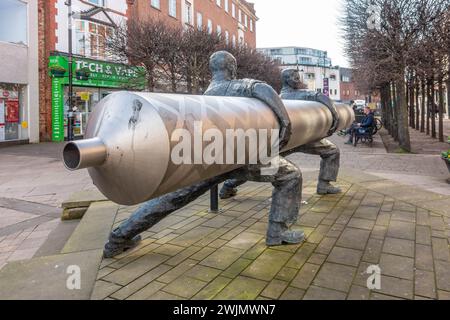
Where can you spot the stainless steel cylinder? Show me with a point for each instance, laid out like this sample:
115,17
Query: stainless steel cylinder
84,154
130,138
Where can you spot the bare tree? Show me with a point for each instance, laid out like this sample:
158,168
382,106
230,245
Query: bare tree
393,50
139,43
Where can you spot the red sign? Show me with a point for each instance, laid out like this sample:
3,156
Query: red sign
5,94
12,111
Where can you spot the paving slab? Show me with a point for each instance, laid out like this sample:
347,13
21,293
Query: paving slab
94,229
46,278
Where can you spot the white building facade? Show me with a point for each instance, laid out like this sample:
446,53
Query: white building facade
19,80
316,68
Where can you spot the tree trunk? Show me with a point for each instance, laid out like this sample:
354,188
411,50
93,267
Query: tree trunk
417,87
423,106
433,110
441,109
429,99
394,121
402,120
448,96
411,103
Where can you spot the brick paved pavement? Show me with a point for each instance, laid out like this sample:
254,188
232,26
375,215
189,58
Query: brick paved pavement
33,183
197,255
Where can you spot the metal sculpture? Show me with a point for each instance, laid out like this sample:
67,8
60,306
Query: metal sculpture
129,146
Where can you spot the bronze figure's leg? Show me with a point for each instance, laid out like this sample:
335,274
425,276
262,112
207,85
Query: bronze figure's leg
329,166
229,189
286,198
284,211
127,235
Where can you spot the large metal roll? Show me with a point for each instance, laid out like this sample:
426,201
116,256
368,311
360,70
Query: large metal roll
128,143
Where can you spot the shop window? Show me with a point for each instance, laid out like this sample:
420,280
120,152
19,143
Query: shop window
11,121
13,21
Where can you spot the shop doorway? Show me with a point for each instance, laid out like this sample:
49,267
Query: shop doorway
85,100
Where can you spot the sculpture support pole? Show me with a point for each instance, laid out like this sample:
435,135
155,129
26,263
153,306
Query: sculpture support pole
214,199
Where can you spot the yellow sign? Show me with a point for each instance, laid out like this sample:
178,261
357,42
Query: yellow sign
85,96
24,124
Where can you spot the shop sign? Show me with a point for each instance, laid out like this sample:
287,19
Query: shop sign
57,110
84,96
6,94
326,87
101,70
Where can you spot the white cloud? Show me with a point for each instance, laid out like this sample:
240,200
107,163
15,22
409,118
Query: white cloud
303,23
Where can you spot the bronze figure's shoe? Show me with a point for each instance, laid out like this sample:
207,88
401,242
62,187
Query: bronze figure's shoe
116,246
226,193
287,237
280,234
325,188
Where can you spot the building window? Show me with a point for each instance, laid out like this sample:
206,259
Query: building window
199,20
156,4
240,16
210,26
245,20
234,40
13,21
219,30
91,38
227,37
251,25
188,12
173,8
218,2
233,10
226,5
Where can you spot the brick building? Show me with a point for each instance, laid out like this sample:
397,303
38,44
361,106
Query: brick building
94,19
350,91
235,19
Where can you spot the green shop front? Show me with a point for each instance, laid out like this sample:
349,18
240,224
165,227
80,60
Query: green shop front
92,81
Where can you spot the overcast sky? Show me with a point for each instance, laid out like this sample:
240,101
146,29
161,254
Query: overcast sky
302,23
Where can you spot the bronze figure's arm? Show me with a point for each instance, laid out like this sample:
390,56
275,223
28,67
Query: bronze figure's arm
267,94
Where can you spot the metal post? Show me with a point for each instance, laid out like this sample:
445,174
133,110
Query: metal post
214,200
70,115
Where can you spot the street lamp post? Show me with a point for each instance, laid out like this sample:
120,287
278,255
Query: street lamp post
70,115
